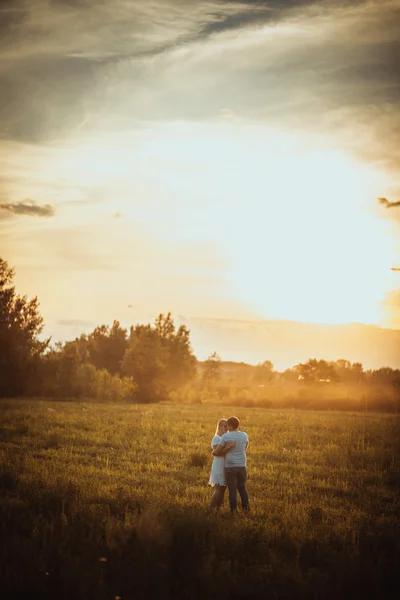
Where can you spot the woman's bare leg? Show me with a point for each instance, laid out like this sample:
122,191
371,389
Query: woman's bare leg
221,497
217,498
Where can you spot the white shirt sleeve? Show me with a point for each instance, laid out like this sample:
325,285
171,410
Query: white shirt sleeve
222,440
215,441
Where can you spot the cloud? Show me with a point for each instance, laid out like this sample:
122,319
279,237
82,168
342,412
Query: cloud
29,207
287,343
329,67
392,304
387,204
395,269
79,74
76,323
315,66
38,104
253,14
227,113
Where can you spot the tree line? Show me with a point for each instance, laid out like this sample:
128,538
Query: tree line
145,363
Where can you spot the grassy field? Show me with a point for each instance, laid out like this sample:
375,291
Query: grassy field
111,501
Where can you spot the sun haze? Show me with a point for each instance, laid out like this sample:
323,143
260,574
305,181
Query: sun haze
235,161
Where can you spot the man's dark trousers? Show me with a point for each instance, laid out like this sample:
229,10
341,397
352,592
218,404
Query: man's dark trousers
236,480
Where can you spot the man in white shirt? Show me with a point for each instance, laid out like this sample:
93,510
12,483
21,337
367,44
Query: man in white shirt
235,463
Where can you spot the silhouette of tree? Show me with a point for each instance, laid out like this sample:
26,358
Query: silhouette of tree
146,361
211,371
349,372
20,326
159,358
290,375
384,376
316,370
181,362
106,347
264,373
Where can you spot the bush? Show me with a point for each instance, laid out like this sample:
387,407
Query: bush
88,382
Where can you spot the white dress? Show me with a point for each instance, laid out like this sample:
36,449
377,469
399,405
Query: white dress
217,476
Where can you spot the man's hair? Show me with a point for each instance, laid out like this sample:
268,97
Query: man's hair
233,422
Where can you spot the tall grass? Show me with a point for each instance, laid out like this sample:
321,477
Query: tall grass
105,501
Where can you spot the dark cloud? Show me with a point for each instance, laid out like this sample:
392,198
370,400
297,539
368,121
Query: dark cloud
71,3
317,82
260,12
12,14
257,16
29,207
387,204
282,6
52,81
45,97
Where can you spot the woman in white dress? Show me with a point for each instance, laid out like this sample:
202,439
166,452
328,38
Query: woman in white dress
217,476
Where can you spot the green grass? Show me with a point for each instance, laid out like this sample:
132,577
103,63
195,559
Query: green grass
99,501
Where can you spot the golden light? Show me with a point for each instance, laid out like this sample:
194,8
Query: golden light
291,218
294,219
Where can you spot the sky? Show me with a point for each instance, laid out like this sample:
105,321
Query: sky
233,162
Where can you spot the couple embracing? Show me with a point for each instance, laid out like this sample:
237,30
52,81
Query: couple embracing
229,446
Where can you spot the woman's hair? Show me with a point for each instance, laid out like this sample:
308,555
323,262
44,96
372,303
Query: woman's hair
220,422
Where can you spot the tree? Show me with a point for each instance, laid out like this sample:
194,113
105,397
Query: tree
70,360
348,372
290,375
66,372
211,371
264,373
316,370
382,376
164,326
106,347
20,326
181,362
146,361
159,358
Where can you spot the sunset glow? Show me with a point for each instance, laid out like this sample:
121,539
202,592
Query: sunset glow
213,165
